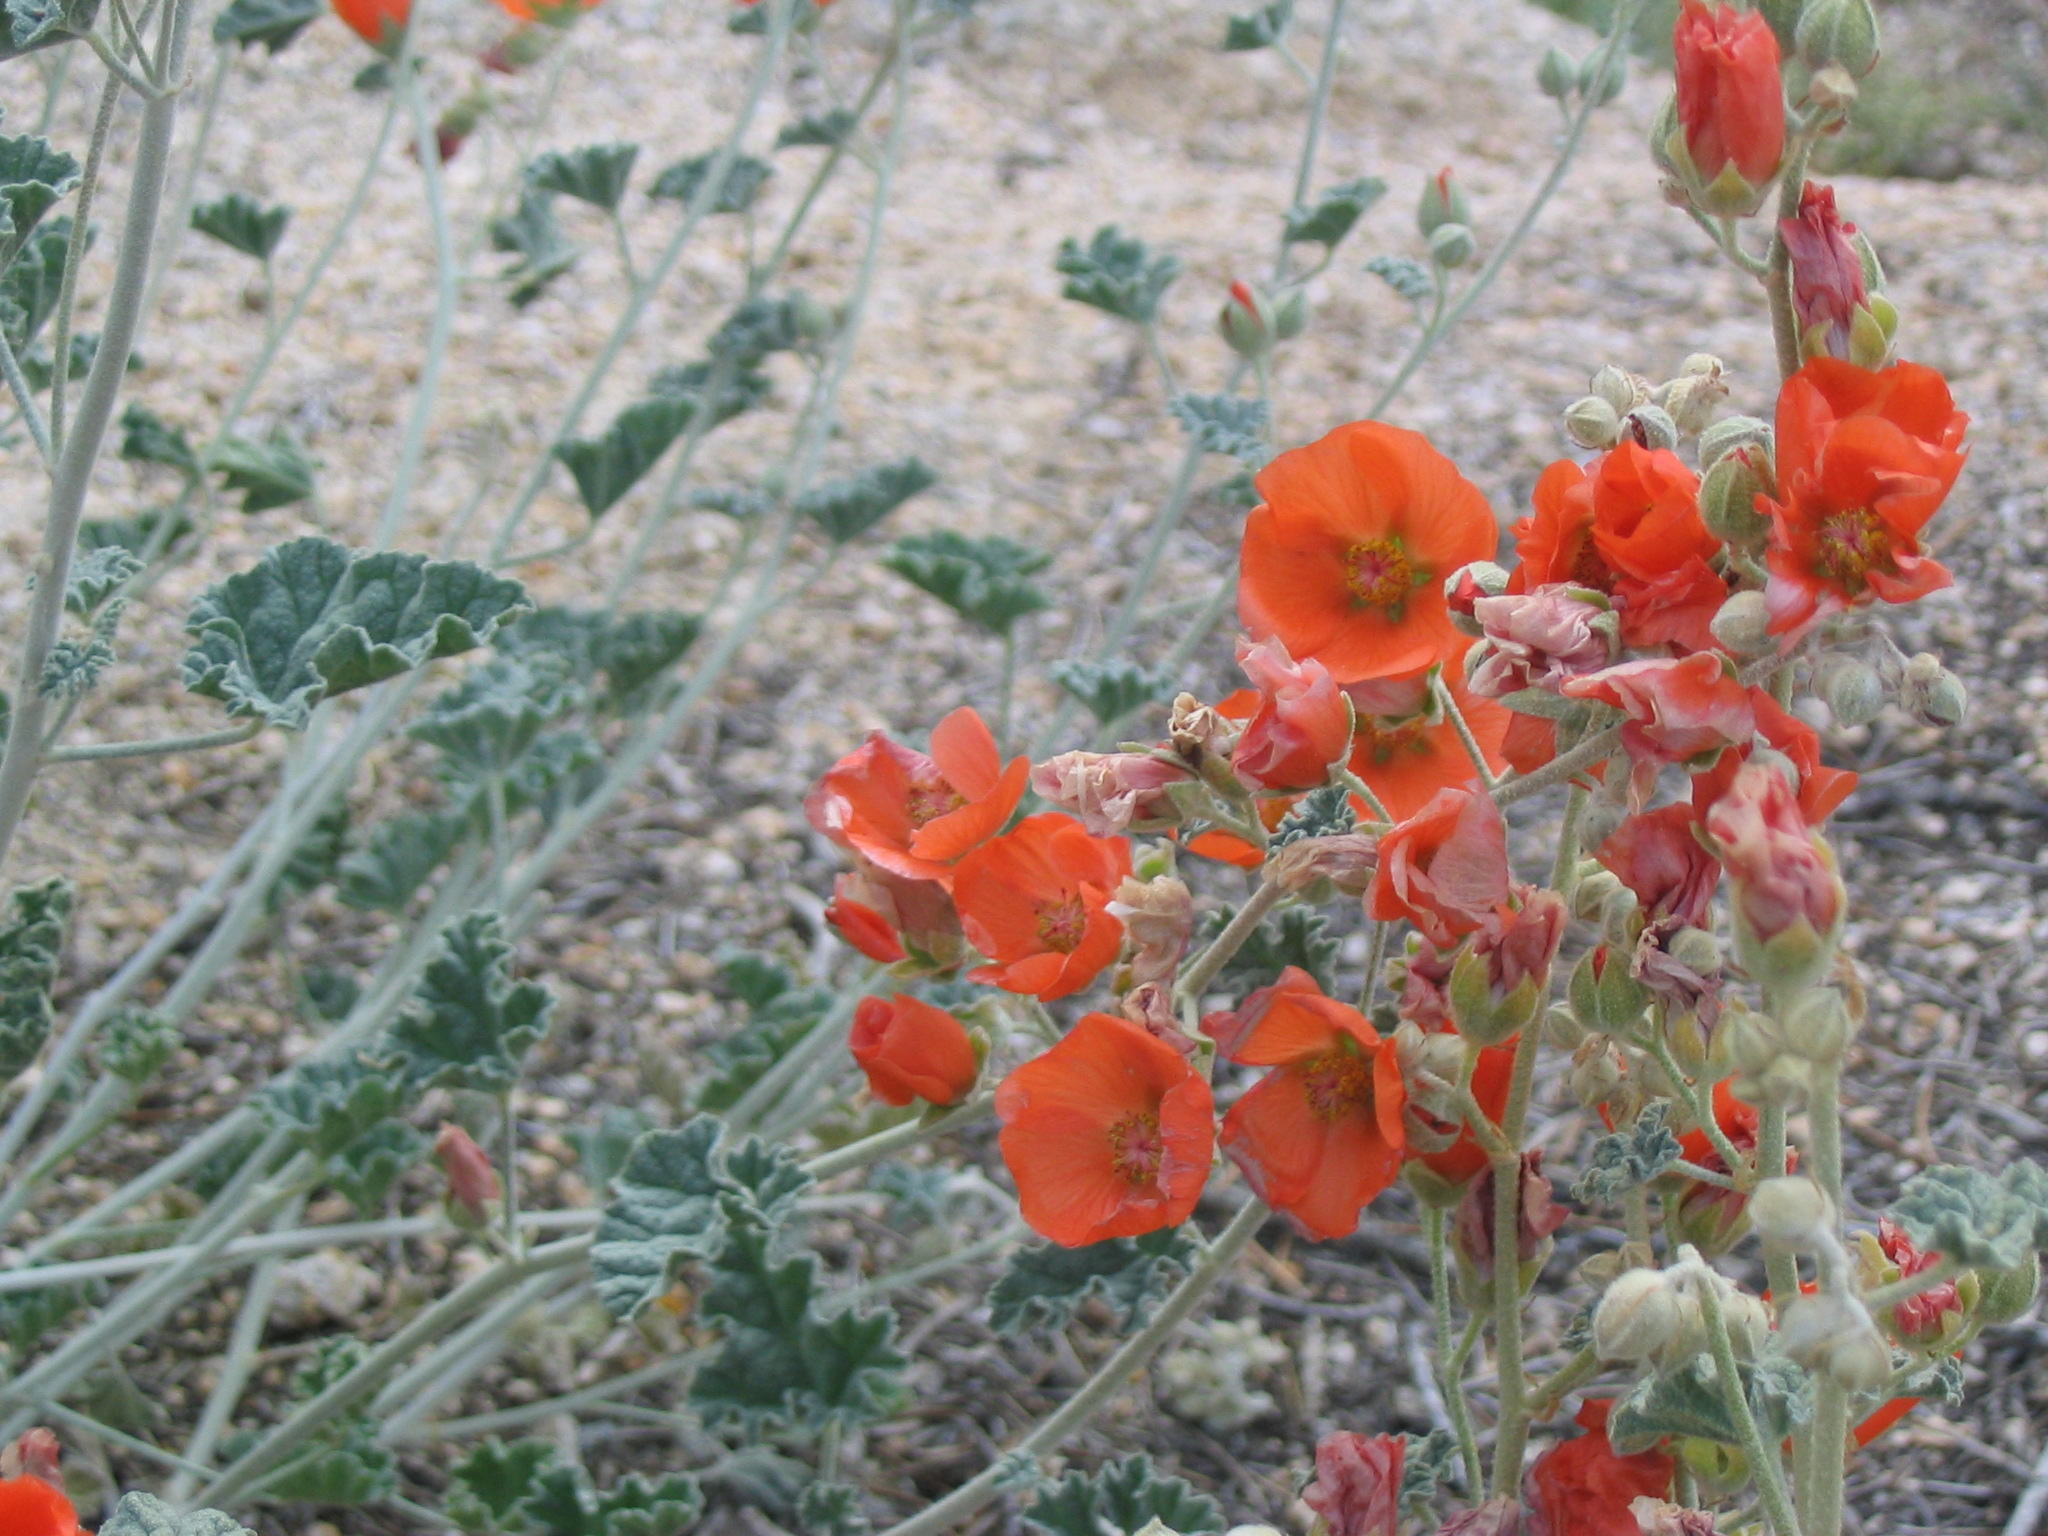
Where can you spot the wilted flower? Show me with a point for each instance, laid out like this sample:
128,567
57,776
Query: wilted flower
1357,1487
1788,899
1534,638
1582,1488
1159,918
1112,792
1445,869
1830,294
472,1181
1303,723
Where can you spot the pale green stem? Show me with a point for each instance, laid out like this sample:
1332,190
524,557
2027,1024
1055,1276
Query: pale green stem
1699,1097
1564,869
1451,1386
1464,730
38,429
910,1133
1511,1434
1765,1463
441,1372
1196,975
1110,1379
188,184
74,254
103,751
1777,278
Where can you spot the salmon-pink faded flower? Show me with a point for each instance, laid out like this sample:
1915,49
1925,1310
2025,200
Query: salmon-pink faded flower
917,815
1159,919
1534,639
1659,856
1537,1216
1821,788
1781,874
36,1452
1444,869
1405,746
890,919
1112,792
1677,710
1731,105
1357,1486
1583,1488
911,1049
1865,459
1321,1135
1496,1517
472,1181
1345,561
1503,979
559,14
1108,1134
1303,723
1036,902
1628,525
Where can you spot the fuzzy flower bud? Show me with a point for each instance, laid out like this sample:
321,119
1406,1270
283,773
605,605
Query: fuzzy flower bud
1728,496
1789,901
1843,33
1731,433
1602,75
1596,1071
1790,1212
1851,689
1452,246
1831,1332
1932,694
1247,321
1558,74
1465,586
1836,312
1498,985
1651,426
1619,388
1592,423
1696,393
1637,1317
1443,202
472,1181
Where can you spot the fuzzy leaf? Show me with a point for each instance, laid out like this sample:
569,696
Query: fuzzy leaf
740,388
75,663
1408,278
777,1024
562,1503
1690,1402
492,718
39,369
1324,812
242,224
331,995
1941,1380
1232,424
26,1316
1043,1286
365,1169
1981,1220
638,648
982,580
756,330
1299,936
383,873
1426,1461
328,1105
272,23
596,174
665,1210
607,467
531,234
832,1509
273,473
34,173
33,282
1111,689
1330,218
1117,274
96,575
470,1025
848,508
743,181
342,1469
1261,29
822,130
31,937
139,1514
1124,1496
1629,1158
134,534
735,502
136,1043
313,619
488,1484
148,439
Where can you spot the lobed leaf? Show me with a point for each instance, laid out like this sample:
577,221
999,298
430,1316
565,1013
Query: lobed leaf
982,580
742,183
606,467
1329,219
31,937
1043,1286
34,173
313,619
33,282
1261,29
1116,273
1299,936
1123,1496
382,874
1426,1461
665,1210
243,224
136,1043
1981,1220
1628,1158
327,1105
491,719
1690,1402
543,252
1232,424
140,1514
470,1025
135,534
96,575
1408,278
148,439
276,472
75,663
272,23
846,509
487,1486
364,1170
1324,812
1111,689
824,130
596,174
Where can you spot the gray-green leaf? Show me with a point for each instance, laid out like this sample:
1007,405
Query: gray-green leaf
743,181
273,473
1261,29
140,1514
531,234
607,467
1410,279
31,937
822,130
148,439
1116,273
985,581
34,173
1978,1219
470,1025
596,174
1124,1496
1329,219
273,23
243,224
1232,424
1629,1158
1111,689
846,509
1043,1286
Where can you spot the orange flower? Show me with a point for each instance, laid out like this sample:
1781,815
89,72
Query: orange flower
558,15
1864,460
1108,1134
911,1050
890,919
1302,724
1036,902
1658,855
31,1507
380,23
1405,747
1731,104
1345,561
1444,869
1628,524
1709,1215
1322,1135
1821,788
1582,1488
915,815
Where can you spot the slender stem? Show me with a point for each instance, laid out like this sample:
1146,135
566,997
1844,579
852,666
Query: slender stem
1511,1435
80,450
1006,683
1109,1380
1464,730
74,253
1318,113
32,418
173,236
1595,749
1199,972
1824,1120
1451,1385
1777,278
1765,1462
1699,1098
826,1038
163,746
882,1144
1582,1367
1564,869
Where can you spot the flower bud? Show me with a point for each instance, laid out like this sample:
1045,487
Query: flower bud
1749,1321
1742,625
1605,997
1601,79
1782,16
1452,246
1464,588
1839,32
1651,426
1592,423
1728,496
1595,888
1812,1325
1790,1213
1730,433
1861,1363
1817,1025
1788,899
2004,1295
1558,75
1693,396
1443,202
1561,1030
1290,314
1932,694
1730,115
1637,1317
472,1181
1619,388
1596,1071
1247,321
1850,688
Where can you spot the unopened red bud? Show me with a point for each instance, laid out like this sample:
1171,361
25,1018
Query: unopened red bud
1443,202
1651,426
472,1181
1246,321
